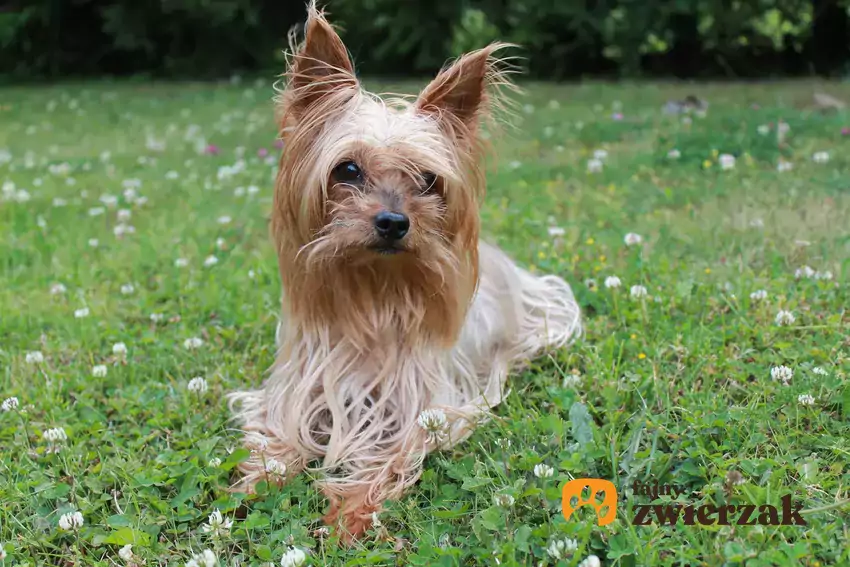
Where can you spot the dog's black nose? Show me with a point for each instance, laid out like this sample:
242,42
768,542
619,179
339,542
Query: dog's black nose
391,226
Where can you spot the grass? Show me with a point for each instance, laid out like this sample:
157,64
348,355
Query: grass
674,387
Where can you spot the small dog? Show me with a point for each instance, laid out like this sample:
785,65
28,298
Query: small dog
399,326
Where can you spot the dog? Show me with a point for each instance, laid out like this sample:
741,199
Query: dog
399,326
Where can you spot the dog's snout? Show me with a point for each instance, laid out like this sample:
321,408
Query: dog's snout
391,226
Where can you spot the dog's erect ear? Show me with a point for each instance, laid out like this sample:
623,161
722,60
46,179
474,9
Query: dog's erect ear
321,65
466,89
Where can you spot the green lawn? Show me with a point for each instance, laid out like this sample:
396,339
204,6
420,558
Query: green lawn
673,387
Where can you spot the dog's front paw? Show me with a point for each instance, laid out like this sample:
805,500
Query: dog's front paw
350,518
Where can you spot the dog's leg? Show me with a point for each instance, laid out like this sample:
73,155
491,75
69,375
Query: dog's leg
356,497
272,458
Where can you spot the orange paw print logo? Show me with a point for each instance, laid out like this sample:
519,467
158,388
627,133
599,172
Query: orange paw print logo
602,495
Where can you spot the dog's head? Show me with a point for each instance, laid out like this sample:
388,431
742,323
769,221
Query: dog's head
381,191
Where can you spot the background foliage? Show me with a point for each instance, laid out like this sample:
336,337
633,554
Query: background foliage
560,39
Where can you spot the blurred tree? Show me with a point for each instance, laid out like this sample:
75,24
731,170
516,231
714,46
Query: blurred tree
829,39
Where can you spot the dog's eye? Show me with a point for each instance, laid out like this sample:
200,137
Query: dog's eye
428,181
348,172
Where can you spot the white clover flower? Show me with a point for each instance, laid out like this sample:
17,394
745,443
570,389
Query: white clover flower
590,561
157,317
727,161
515,164
198,385
806,400
562,548
637,291
126,553
275,467
71,521
57,289
820,157
127,289
294,557
181,263
59,202
122,229
94,242
109,200
819,371
612,282
99,371
119,349
210,261
10,404
823,276
632,238
435,424
757,223
204,559
253,189
594,165
81,313
193,343
154,145
172,175
784,166
571,381
600,154
217,525
785,318
124,215
34,357
22,196
555,231
252,275
782,374
215,462
543,471
55,435
674,154
804,272
764,129
224,220
219,243
758,295
504,500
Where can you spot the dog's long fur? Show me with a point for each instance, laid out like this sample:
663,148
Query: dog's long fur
369,341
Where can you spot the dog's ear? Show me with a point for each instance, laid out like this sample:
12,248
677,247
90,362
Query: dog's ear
467,89
320,66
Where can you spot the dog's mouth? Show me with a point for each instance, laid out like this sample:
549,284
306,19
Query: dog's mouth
386,249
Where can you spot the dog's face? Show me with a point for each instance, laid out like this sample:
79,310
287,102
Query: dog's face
379,195
383,186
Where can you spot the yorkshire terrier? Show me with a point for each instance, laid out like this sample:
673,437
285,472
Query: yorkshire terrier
399,326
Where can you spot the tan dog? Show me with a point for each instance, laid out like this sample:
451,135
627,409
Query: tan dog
399,326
